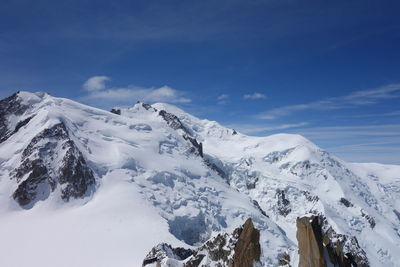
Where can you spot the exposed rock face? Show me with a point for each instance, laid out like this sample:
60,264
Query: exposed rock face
255,202
11,106
346,202
218,249
175,123
165,251
148,106
309,237
216,168
284,260
197,147
51,159
310,197
314,234
247,249
369,218
283,204
343,250
240,249
116,111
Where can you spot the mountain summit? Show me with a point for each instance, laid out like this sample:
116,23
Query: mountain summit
80,186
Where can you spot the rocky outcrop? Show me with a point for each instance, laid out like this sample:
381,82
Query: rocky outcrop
368,218
50,160
284,260
247,249
11,106
283,204
148,106
318,242
218,249
345,202
163,252
309,238
116,111
239,249
257,205
173,121
196,147
212,165
342,250
310,197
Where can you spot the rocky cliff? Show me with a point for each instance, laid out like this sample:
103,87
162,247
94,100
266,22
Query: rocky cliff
50,161
320,246
309,236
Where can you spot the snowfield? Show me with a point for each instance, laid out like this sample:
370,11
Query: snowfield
154,182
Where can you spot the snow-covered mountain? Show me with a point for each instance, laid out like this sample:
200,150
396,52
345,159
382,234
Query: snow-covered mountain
80,186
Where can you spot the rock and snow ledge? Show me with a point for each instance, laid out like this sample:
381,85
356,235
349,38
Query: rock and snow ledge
239,249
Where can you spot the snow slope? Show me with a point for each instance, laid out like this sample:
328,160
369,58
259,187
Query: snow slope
313,182
152,185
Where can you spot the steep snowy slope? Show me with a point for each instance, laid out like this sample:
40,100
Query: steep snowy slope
81,186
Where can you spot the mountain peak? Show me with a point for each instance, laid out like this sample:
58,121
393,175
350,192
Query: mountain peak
155,174
29,97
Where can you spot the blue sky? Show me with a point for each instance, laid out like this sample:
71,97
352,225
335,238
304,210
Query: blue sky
329,70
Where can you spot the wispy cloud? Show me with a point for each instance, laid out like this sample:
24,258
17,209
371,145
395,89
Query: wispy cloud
363,143
366,97
223,99
386,114
96,83
352,131
393,113
254,96
99,94
257,128
371,96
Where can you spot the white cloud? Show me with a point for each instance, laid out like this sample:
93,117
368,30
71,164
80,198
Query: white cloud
99,95
132,94
164,93
358,98
96,83
223,99
254,96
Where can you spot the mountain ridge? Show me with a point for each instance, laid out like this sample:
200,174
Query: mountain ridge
194,193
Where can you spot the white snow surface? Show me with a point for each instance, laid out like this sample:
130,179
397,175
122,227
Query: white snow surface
152,189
